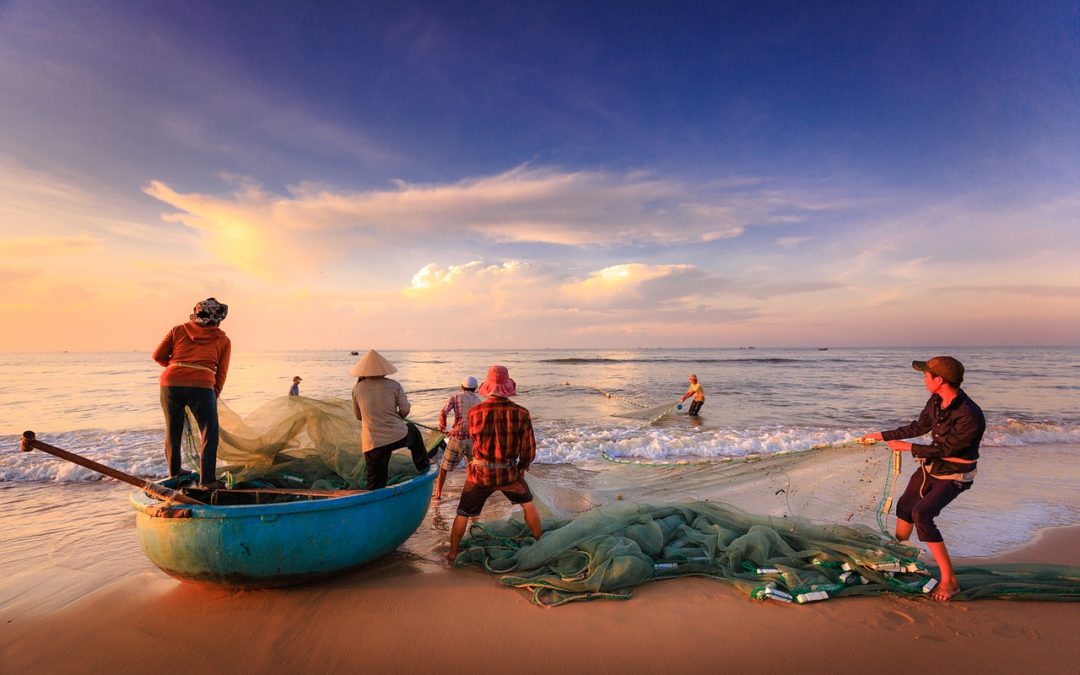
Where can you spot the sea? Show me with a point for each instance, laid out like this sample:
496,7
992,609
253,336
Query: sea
759,401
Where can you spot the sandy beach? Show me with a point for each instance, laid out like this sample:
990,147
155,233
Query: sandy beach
111,611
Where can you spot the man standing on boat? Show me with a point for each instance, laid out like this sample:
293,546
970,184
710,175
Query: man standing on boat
698,393
458,442
196,359
503,448
381,406
946,466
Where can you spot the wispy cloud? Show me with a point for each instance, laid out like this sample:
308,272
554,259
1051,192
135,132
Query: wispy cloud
40,247
252,228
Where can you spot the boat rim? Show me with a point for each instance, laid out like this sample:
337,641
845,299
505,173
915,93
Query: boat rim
141,501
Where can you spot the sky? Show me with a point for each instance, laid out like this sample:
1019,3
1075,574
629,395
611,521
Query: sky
415,175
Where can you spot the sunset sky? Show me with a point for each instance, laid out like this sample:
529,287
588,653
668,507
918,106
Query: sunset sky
456,175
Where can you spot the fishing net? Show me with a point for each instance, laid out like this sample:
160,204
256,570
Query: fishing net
605,552
300,442
812,525
649,415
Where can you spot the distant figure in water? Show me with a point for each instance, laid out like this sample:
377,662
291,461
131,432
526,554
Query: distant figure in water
294,390
458,442
698,393
503,449
196,359
381,406
946,466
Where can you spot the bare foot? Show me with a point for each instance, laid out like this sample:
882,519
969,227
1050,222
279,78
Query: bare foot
450,558
943,592
437,496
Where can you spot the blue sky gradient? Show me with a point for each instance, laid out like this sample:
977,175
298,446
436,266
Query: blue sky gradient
786,173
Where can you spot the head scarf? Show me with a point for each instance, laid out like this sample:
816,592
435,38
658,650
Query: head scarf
209,311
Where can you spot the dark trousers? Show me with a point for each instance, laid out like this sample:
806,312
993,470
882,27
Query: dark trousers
378,459
923,501
203,405
695,408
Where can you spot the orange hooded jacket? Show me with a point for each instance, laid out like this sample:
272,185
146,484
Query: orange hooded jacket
194,356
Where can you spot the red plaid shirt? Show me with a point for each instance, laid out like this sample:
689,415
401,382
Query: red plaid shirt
503,441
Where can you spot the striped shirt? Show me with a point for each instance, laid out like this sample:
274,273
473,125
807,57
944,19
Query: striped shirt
460,404
503,441
380,404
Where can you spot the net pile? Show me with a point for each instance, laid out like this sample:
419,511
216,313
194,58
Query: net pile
295,441
605,552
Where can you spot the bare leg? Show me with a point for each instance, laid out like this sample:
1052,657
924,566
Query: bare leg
457,531
948,586
439,484
903,530
532,519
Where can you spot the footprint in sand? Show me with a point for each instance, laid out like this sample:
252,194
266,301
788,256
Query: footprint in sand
894,619
1009,630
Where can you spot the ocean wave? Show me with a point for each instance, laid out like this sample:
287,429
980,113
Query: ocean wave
1013,433
140,452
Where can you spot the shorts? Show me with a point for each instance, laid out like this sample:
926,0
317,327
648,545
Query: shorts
474,495
456,448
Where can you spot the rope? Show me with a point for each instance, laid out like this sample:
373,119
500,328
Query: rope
886,495
608,394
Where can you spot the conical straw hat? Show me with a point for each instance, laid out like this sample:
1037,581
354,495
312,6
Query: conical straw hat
372,364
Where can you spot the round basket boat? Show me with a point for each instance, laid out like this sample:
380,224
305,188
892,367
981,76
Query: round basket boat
279,544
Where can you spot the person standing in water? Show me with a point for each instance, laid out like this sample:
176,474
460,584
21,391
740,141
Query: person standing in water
458,442
698,393
196,359
294,390
946,466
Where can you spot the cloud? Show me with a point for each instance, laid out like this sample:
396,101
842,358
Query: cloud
252,228
1042,292
40,247
631,285
791,242
772,290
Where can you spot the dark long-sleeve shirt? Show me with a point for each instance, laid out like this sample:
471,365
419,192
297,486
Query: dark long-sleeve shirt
955,432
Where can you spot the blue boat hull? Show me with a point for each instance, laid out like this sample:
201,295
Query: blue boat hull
281,544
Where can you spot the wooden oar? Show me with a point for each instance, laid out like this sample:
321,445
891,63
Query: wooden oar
29,442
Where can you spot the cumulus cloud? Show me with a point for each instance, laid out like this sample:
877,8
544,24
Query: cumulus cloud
624,294
637,285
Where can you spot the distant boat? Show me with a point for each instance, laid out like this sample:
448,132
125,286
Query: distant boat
823,349
355,353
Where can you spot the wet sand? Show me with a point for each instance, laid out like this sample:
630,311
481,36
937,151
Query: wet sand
90,602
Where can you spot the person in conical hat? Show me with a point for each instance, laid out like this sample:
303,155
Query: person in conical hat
503,449
372,364
381,406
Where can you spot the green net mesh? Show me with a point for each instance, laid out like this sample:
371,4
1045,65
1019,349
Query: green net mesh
605,552
299,442
811,525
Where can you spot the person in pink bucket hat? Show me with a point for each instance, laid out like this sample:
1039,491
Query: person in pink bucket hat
503,448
